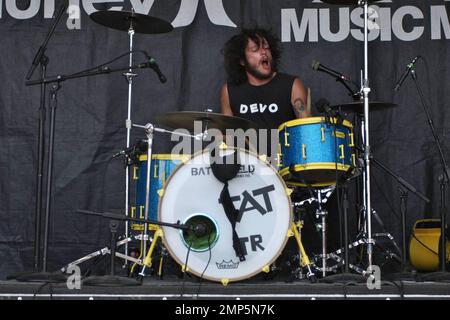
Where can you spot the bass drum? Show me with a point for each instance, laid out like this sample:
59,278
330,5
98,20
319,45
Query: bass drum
264,217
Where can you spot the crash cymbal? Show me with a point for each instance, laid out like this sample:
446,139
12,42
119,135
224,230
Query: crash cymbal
185,120
348,2
359,106
121,20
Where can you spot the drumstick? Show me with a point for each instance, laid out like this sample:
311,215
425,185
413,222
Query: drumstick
308,102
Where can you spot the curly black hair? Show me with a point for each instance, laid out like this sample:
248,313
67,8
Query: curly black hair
234,52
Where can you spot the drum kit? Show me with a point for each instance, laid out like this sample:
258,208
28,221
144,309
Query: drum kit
229,222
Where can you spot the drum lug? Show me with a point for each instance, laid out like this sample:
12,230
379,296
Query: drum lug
286,137
289,191
135,173
352,140
266,269
184,268
262,157
225,282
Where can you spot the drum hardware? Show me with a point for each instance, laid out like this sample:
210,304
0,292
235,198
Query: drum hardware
56,82
405,187
132,23
112,279
320,196
365,90
105,251
56,86
150,129
304,261
326,194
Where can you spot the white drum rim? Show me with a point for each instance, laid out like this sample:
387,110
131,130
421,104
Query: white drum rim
275,255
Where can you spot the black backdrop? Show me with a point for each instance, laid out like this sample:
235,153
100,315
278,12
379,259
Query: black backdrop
90,123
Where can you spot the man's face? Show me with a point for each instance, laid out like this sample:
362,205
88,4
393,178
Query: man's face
258,59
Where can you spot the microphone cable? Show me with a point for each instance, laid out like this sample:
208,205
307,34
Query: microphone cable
207,265
185,270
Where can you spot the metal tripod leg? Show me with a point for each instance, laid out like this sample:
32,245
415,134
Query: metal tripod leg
104,251
304,259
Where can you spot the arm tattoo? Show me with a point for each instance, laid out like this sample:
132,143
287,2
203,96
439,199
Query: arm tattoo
299,108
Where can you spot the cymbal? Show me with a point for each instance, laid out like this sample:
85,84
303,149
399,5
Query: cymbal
358,106
185,120
122,20
347,2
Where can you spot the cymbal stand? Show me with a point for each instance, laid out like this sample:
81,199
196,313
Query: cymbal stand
322,214
150,129
366,176
129,76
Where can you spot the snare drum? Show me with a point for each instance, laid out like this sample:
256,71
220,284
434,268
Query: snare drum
191,196
161,168
314,151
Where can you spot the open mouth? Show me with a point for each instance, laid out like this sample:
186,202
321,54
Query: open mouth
265,62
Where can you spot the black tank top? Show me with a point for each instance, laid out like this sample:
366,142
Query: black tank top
268,105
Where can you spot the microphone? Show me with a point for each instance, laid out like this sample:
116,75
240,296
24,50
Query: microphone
152,64
323,106
41,52
317,66
123,152
406,73
140,147
200,230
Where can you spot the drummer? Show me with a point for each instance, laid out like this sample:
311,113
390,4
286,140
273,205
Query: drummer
255,89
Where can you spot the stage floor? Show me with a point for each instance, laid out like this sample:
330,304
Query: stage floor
173,288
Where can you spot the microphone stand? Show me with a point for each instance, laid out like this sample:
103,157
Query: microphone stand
444,178
56,85
406,270
42,60
112,279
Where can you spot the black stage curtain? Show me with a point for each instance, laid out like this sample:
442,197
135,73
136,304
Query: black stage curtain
91,113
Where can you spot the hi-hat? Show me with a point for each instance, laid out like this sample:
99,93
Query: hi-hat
123,20
186,119
359,106
349,2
